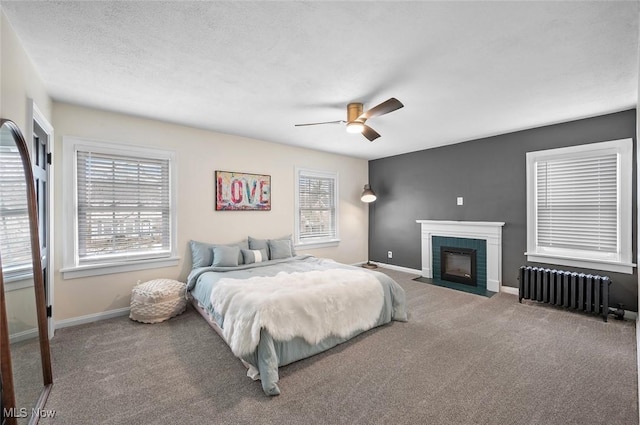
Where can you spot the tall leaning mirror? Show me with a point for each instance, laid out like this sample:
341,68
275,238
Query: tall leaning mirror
26,376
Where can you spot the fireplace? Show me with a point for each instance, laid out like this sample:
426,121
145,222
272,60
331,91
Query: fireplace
489,256
458,265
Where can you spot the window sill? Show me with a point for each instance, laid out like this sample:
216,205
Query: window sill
317,244
75,272
20,282
610,266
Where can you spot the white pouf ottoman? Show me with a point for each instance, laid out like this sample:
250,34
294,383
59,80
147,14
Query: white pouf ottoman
157,300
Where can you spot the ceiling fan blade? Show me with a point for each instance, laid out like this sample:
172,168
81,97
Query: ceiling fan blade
370,133
320,123
381,109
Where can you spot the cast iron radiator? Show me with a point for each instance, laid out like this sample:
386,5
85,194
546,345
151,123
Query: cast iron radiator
573,290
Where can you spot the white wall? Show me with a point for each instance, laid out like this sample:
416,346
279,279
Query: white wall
20,84
199,154
19,80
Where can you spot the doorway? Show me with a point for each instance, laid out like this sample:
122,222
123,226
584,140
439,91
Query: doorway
41,158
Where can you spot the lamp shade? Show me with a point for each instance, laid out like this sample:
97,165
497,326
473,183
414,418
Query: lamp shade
368,195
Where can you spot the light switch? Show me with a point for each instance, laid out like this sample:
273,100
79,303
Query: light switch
460,200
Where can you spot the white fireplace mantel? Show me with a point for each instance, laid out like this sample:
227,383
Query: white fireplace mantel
490,231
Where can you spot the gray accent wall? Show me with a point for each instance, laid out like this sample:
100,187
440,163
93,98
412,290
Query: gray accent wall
490,175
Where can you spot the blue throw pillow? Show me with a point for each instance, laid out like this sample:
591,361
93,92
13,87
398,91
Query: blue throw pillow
201,254
258,243
264,244
225,256
279,248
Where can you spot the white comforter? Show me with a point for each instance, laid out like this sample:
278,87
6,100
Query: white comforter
312,305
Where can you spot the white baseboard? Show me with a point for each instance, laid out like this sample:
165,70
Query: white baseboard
23,336
90,318
506,289
399,268
510,290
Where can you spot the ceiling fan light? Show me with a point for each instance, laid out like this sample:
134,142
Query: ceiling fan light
355,127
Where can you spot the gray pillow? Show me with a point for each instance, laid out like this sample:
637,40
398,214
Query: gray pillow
225,256
290,239
241,245
258,243
279,248
263,244
251,256
201,254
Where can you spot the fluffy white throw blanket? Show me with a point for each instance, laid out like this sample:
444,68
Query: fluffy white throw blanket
312,305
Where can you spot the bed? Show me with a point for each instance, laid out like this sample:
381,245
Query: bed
275,312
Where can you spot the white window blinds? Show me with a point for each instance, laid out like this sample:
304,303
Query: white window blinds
577,203
124,207
579,206
15,238
316,207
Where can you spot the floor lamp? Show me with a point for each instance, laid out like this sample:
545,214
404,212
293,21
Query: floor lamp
368,196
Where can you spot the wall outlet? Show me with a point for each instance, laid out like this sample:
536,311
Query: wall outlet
389,254
460,200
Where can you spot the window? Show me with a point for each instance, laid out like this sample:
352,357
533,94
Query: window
15,236
579,206
316,208
123,217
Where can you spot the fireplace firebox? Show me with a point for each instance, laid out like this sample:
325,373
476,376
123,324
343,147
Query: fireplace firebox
458,265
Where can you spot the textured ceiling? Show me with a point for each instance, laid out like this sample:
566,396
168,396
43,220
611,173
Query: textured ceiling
463,70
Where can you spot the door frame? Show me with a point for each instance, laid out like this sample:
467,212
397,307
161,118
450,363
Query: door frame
34,114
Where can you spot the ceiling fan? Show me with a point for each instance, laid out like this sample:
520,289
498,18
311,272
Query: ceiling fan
356,118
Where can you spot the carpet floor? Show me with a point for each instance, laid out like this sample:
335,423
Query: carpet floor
461,359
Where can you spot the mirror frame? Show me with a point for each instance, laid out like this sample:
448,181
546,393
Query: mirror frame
6,371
